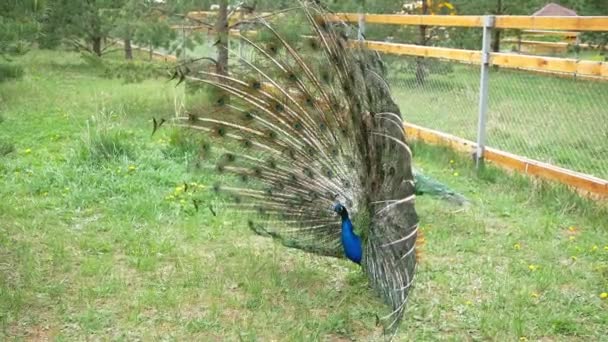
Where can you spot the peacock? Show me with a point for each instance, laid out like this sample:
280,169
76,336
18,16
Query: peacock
309,145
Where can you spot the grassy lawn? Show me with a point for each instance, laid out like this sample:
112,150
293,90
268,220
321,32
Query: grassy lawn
561,121
99,241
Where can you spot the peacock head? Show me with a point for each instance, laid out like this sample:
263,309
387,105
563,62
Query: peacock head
341,210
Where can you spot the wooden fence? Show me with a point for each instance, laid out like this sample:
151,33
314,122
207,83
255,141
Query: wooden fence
593,186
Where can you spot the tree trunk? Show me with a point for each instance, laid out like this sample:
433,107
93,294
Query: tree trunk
128,49
221,29
420,71
496,40
96,45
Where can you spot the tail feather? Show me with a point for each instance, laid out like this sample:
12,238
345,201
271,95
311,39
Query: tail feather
303,123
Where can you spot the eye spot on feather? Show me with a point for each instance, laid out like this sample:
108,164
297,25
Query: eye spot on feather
255,84
278,107
308,172
269,192
391,171
279,186
293,178
272,164
219,168
237,199
205,149
244,178
309,102
311,151
313,44
230,157
192,117
352,163
261,210
297,126
249,116
346,184
329,174
322,126
325,76
347,89
220,131
271,135
292,77
334,152
221,101
217,188
257,172
247,143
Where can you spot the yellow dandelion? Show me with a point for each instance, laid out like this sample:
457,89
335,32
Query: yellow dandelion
132,168
572,228
574,257
45,194
606,248
594,248
182,201
517,246
451,161
179,189
455,174
572,238
604,295
534,295
468,302
27,151
532,267
523,338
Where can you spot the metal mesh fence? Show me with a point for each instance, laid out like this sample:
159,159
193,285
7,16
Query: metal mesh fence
436,94
555,119
561,121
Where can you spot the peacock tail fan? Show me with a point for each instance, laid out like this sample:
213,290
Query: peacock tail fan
302,120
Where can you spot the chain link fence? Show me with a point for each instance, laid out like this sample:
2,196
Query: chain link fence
555,119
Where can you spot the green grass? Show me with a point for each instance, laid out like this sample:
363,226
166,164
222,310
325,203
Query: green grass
97,241
561,121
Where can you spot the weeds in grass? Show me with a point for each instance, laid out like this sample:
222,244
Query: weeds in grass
105,140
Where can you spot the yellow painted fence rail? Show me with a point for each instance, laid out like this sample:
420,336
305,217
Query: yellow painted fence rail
599,23
587,184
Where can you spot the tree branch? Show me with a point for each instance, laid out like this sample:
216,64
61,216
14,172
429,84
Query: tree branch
79,45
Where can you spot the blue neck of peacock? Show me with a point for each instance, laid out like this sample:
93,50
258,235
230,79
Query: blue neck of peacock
350,241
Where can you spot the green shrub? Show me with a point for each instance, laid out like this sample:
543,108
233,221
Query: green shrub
10,71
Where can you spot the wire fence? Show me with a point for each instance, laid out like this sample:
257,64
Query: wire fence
558,120
552,118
